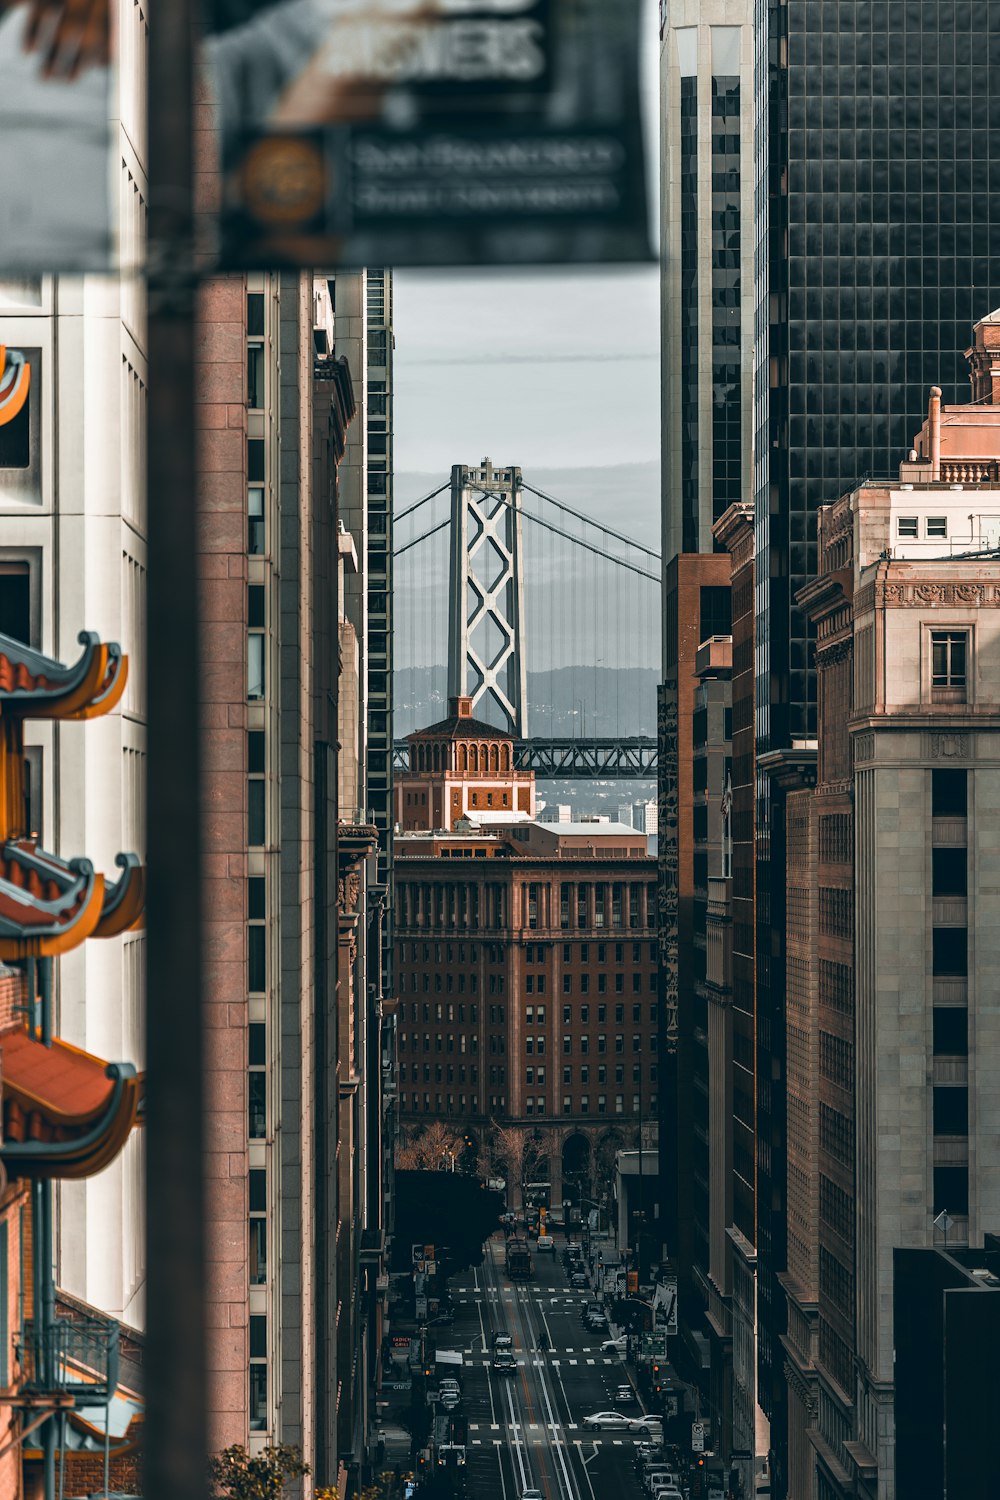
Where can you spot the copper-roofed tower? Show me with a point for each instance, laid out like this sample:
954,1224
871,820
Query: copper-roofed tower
461,767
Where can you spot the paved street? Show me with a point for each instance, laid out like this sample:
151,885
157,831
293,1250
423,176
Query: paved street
525,1428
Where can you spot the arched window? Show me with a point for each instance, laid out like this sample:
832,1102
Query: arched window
494,759
463,758
505,758
473,757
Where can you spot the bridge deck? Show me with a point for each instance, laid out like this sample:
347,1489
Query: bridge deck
630,759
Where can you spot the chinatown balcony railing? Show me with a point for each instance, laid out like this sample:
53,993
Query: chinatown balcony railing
72,1356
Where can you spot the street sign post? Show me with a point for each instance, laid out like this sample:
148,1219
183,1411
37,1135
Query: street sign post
698,1437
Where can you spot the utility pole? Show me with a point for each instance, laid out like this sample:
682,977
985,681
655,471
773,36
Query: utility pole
175,1450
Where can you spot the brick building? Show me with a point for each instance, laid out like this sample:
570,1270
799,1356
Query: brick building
528,974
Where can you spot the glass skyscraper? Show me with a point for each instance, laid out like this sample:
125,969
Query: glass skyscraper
877,242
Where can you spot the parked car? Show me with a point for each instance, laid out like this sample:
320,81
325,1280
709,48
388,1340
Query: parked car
546,1242
504,1361
611,1419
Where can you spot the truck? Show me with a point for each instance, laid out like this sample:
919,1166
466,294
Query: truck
518,1261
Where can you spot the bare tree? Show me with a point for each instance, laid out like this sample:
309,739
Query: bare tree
521,1152
429,1147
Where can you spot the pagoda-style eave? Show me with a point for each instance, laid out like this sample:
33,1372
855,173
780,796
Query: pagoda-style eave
72,1152
33,686
77,903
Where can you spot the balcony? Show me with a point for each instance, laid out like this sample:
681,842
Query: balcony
76,1357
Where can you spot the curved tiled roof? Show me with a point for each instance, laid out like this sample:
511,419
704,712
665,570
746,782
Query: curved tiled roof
46,904
66,1113
38,687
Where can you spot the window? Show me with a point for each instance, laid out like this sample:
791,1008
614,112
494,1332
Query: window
255,376
258,1396
529,1014
949,794
255,666
602,1043
619,1104
567,1046
567,948
602,1072
540,1044
602,1014
567,1105
567,1014
567,1076
949,664
258,1226
619,1014
255,460
951,1190
602,1104
257,957
937,526
951,872
529,1045
602,984
951,1111
529,1075
584,1104
906,526
951,952
951,1031
255,314
584,985
567,984
255,520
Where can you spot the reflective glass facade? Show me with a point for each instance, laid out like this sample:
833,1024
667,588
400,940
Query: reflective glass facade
727,397
877,247
689,312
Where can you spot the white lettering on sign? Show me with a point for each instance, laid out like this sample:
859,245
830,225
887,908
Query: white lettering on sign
404,51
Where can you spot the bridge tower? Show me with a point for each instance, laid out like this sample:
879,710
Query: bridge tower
486,636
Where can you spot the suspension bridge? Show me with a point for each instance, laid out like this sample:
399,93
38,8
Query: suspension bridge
552,622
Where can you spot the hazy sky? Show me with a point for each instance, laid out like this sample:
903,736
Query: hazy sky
554,368
551,369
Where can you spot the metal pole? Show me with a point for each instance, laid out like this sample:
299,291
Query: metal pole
175,1430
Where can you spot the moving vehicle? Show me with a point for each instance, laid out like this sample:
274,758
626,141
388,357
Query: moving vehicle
597,1322
611,1346
578,1280
517,1262
658,1478
531,1495
612,1419
624,1393
648,1425
588,1308
546,1242
504,1361
502,1340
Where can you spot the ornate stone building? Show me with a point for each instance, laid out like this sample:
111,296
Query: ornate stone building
892,1023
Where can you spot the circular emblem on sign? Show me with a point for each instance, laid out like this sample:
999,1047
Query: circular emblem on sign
284,180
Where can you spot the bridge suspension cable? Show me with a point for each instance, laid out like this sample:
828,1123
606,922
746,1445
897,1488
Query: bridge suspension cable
398,551
589,521
549,526
401,515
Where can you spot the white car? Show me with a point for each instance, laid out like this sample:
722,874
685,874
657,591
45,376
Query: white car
648,1424
608,1419
531,1495
546,1242
615,1346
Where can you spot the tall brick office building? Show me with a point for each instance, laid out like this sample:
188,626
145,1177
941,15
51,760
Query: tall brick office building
527,975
